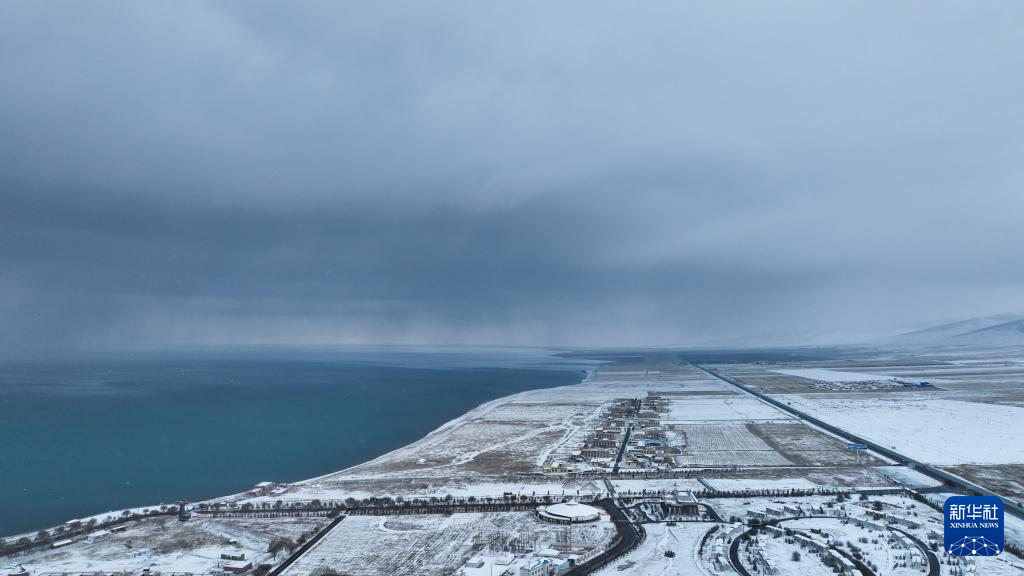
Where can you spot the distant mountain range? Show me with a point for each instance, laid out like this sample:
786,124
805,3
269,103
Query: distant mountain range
997,330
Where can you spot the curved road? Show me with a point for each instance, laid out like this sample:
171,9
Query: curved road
734,555
630,536
933,560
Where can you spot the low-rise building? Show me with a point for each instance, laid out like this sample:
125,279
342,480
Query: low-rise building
240,567
538,567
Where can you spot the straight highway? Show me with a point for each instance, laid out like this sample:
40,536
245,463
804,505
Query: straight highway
1011,506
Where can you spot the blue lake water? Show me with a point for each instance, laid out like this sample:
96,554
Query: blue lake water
84,436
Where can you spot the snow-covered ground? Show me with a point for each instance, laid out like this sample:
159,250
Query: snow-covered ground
649,558
905,476
700,408
893,557
499,448
413,545
166,545
932,429
781,556
762,484
654,485
824,375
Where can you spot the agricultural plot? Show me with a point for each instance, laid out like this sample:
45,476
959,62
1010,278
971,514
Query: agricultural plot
722,445
433,545
959,371
684,409
762,484
970,420
1006,479
732,458
805,446
770,381
824,381
367,546
975,371
932,429
825,375
704,385
712,437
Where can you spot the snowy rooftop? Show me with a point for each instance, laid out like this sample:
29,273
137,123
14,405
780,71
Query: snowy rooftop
572,511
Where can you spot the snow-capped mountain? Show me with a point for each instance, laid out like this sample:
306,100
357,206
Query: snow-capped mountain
997,330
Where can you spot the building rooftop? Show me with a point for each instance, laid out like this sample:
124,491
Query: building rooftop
571,511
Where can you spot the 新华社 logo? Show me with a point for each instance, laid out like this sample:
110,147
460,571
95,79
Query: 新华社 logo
974,526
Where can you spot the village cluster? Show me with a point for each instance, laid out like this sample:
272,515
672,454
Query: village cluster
629,436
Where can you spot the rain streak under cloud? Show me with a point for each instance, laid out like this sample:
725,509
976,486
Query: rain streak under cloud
576,173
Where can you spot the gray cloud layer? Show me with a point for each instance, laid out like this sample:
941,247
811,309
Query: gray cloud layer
522,173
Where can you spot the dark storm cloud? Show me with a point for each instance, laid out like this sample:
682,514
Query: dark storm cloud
573,174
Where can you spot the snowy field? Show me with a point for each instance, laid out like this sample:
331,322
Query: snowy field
479,488
722,444
765,484
909,478
535,412
432,545
823,375
654,485
164,544
879,550
738,507
683,409
649,558
971,370
719,458
711,437
781,555
934,430
705,384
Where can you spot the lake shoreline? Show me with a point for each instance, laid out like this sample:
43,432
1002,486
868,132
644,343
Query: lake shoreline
373,439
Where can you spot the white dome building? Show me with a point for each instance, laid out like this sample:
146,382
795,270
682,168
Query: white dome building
570,512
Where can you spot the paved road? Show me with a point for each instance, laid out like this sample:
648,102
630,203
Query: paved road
305,547
622,449
630,536
734,552
611,488
705,484
1012,507
933,560
629,430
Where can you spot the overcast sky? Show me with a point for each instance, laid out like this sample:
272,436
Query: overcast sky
538,173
